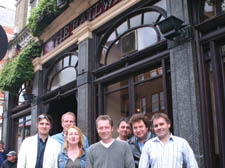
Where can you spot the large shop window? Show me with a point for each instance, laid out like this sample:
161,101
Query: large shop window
23,128
214,65
134,34
64,71
143,91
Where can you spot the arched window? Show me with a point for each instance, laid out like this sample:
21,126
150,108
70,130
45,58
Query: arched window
132,33
64,71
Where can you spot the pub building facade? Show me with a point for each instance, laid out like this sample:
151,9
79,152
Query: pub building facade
110,57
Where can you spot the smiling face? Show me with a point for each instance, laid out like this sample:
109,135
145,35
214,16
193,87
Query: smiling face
105,130
73,136
161,128
140,130
43,127
124,130
67,121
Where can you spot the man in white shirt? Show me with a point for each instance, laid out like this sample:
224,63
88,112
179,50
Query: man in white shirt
123,129
108,153
166,150
40,150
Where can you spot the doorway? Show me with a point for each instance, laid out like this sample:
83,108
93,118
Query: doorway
58,108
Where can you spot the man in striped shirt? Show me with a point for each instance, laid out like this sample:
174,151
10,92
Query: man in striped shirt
166,150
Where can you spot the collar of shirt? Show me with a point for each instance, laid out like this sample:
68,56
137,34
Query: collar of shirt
140,145
41,141
171,138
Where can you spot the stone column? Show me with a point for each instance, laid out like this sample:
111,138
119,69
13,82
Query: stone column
84,94
5,120
185,91
36,104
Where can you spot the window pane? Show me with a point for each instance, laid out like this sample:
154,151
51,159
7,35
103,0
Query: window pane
74,60
114,53
19,132
147,94
64,77
22,130
162,107
148,75
27,126
117,106
135,21
111,38
151,17
209,10
122,28
162,4
117,85
155,103
147,36
66,61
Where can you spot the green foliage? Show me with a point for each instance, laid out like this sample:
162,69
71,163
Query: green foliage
20,69
43,15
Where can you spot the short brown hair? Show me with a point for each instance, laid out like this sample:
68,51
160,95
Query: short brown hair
68,113
139,117
160,115
104,117
81,139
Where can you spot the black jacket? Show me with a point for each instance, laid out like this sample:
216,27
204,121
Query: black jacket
8,164
135,148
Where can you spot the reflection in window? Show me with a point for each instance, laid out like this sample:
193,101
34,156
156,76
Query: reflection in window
23,128
143,105
155,103
117,85
122,28
117,105
147,36
148,94
209,9
212,8
63,72
158,102
135,21
136,40
150,74
124,40
63,78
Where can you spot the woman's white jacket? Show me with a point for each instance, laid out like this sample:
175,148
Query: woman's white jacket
28,153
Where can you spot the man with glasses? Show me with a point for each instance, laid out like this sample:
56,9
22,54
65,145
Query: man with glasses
40,150
67,120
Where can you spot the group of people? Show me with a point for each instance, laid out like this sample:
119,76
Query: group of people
135,147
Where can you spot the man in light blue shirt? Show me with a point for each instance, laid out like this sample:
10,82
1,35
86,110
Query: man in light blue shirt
67,120
166,150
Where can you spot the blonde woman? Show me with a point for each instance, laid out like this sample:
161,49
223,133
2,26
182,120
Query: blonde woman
73,154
